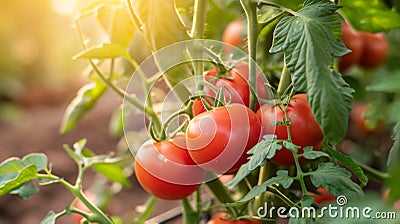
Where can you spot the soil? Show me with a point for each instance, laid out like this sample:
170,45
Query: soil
36,130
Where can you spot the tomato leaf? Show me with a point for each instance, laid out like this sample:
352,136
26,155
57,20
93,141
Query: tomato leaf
26,190
106,165
104,51
386,84
309,153
289,145
116,124
12,180
265,149
281,178
394,154
373,15
85,100
50,218
336,180
311,40
348,162
115,20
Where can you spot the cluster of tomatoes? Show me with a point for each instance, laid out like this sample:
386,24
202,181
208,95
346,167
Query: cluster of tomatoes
217,140
367,49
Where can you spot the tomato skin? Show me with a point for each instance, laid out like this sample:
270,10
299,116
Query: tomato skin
375,49
304,130
198,106
359,128
234,34
166,170
218,219
238,86
219,139
323,197
352,40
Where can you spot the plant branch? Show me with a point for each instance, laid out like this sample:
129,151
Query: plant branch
250,8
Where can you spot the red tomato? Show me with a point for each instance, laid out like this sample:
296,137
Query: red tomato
375,49
323,197
352,40
237,85
219,139
166,170
219,219
304,130
359,127
198,106
234,34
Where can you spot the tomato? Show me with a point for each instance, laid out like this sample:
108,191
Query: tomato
234,34
166,170
219,219
219,139
304,130
375,49
235,85
323,197
359,127
198,106
352,40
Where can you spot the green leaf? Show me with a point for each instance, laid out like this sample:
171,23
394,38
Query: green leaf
115,20
394,154
12,180
386,84
85,100
105,51
281,178
37,159
50,218
76,157
348,162
336,180
289,145
107,166
265,149
311,40
309,153
394,115
307,200
161,23
26,190
373,15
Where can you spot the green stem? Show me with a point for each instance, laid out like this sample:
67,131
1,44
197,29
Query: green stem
282,196
373,173
250,8
284,81
199,19
76,191
221,193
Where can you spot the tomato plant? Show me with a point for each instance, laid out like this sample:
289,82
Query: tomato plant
222,217
165,169
301,121
219,139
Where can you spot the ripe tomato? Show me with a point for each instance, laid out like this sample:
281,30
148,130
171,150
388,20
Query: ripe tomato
352,40
323,197
304,130
219,139
165,169
237,85
198,106
359,127
219,219
375,49
234,34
